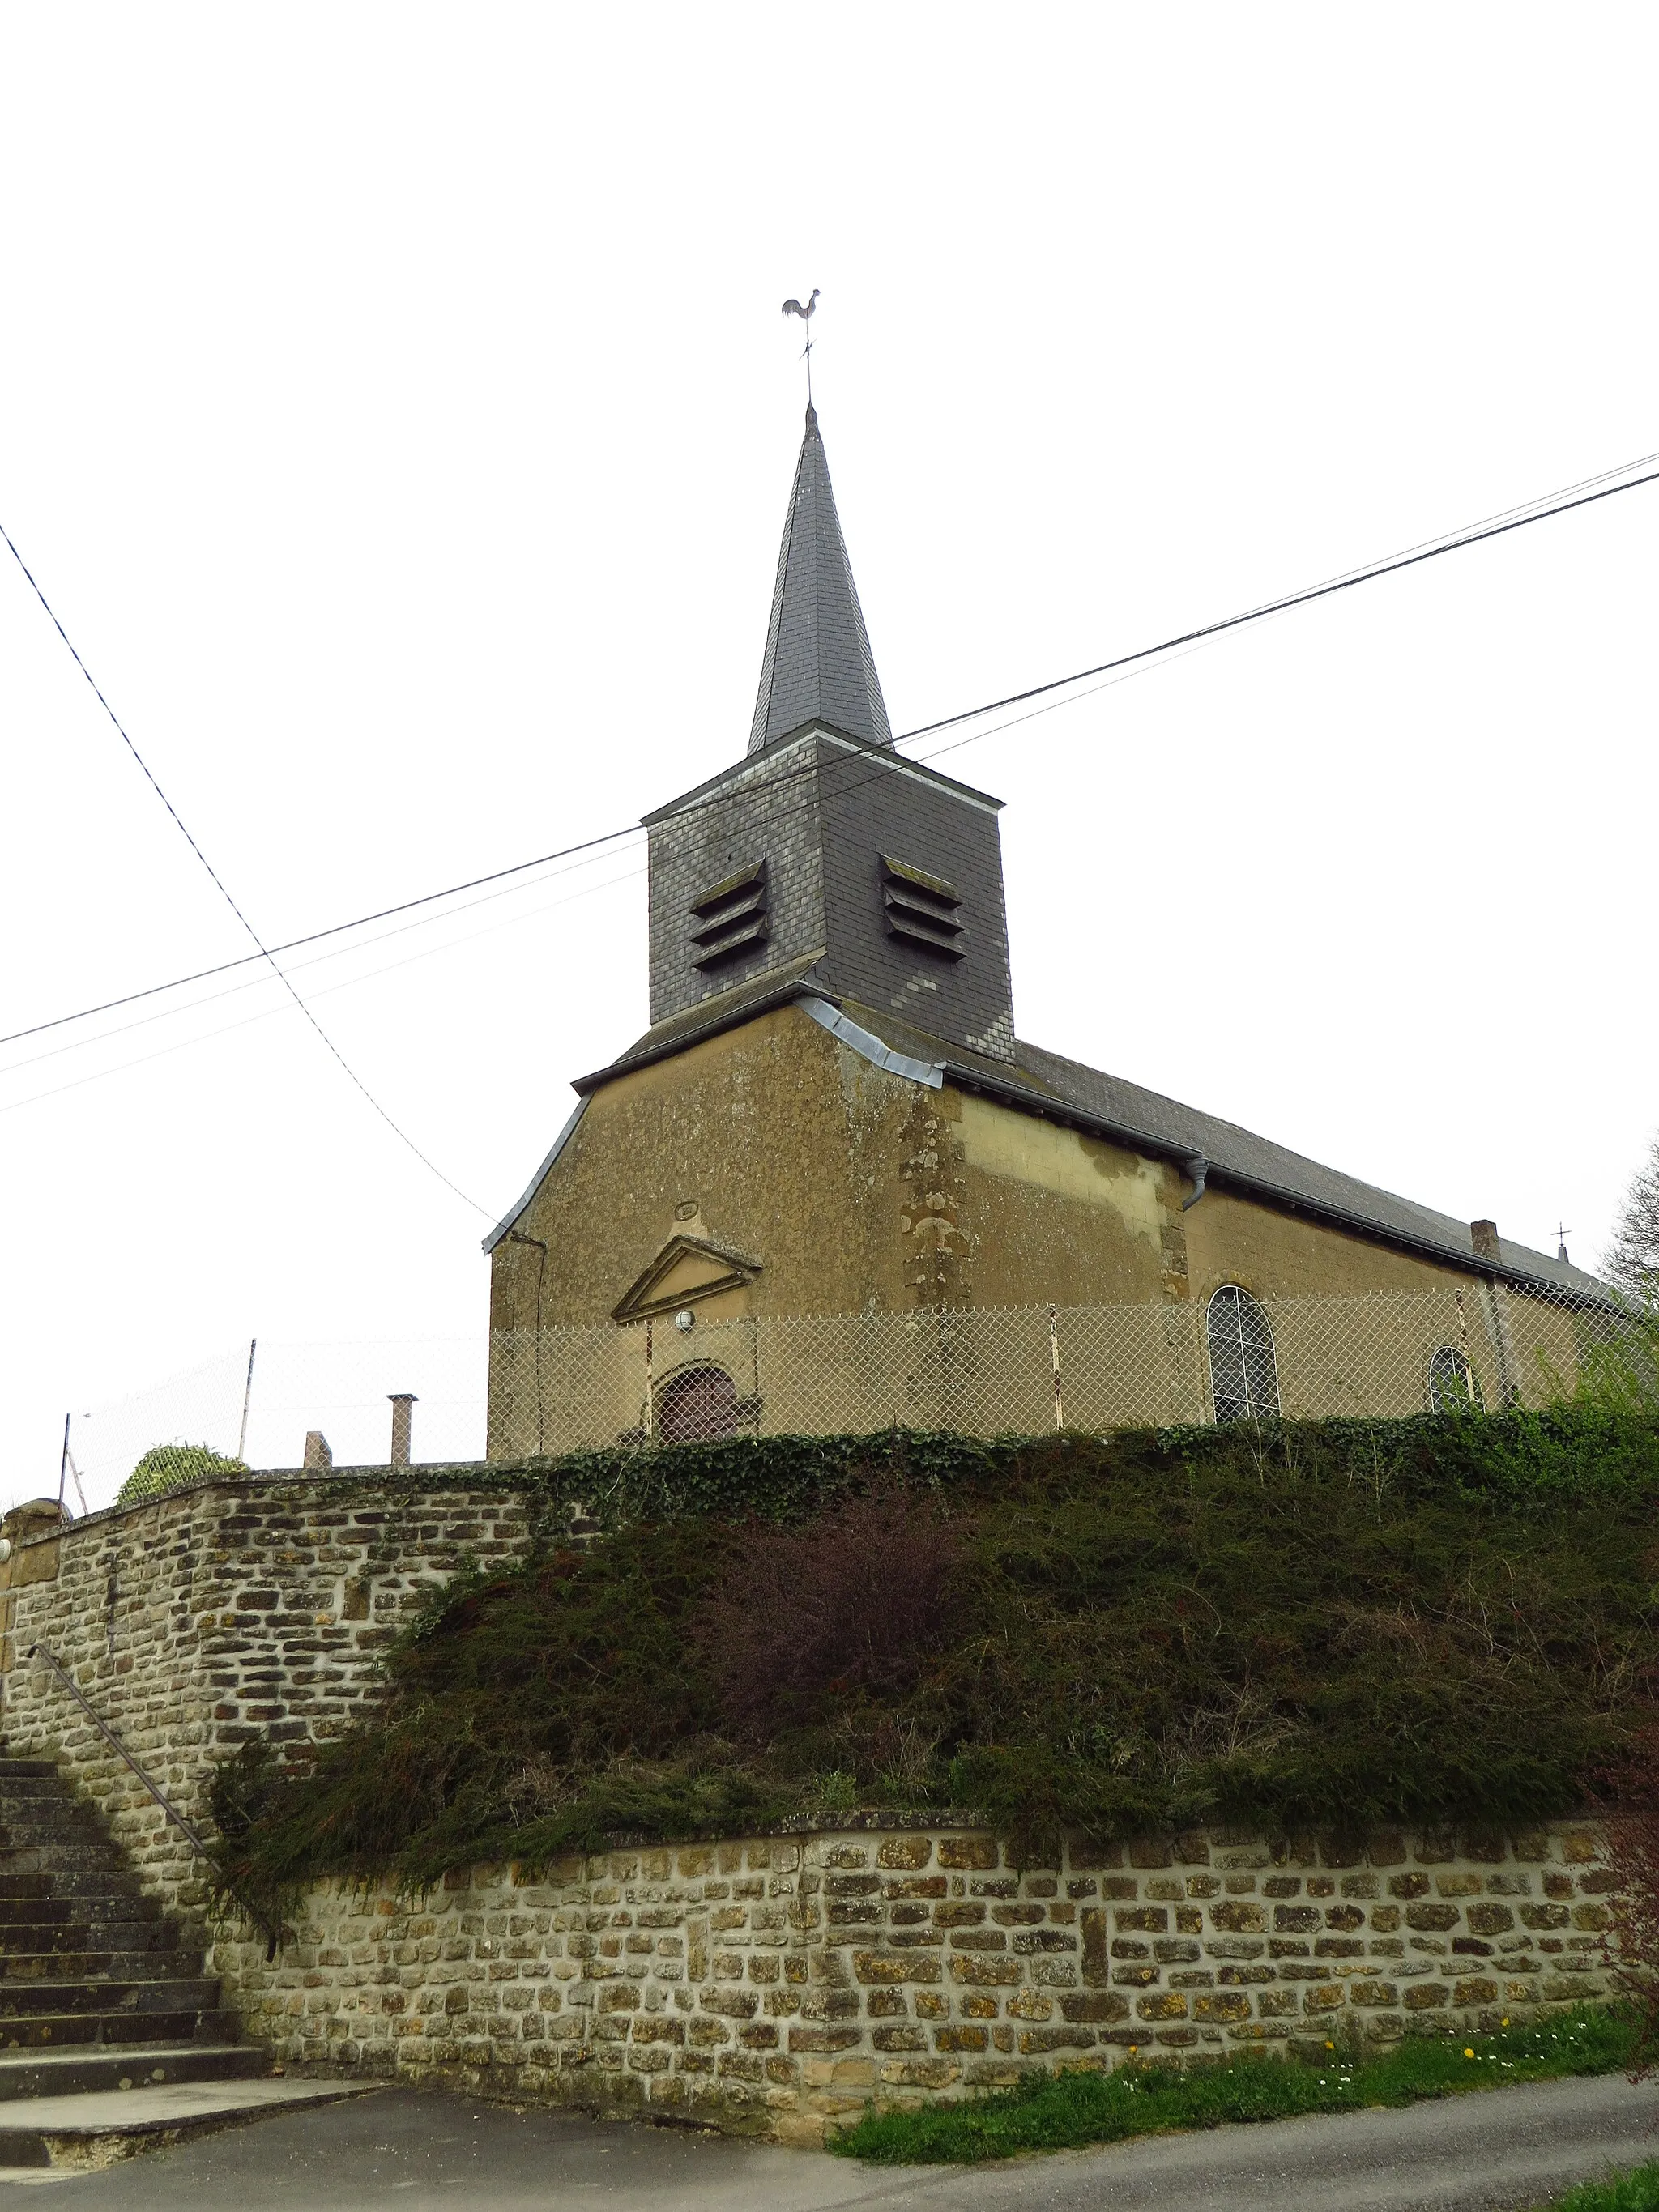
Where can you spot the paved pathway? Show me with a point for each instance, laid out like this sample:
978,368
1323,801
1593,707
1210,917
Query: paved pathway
401,2151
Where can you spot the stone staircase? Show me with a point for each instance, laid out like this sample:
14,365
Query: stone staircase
110,2032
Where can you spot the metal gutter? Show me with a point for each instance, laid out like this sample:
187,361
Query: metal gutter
1043,1103
821,1006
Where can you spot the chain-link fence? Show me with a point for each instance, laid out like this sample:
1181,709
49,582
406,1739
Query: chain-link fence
1024,1369
260,1403
682,1376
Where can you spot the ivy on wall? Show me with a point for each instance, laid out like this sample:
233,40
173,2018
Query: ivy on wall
1335,1626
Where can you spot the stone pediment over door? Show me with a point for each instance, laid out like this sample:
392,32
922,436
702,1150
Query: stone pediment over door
686,1270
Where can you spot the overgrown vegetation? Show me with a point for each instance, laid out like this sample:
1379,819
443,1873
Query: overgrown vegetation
1066,2112
1634,2190
170,1467
1336,1626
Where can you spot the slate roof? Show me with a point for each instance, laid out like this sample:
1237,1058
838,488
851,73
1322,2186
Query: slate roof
1066,1091
817,666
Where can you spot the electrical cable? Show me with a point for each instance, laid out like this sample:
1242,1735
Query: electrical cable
1541,509
262,953
318,960
246,1020
1391,565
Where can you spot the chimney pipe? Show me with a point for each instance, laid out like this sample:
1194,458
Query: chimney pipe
401,1402
1483,1235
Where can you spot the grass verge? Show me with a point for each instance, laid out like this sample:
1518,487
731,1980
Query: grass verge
1637,2190
1065,2111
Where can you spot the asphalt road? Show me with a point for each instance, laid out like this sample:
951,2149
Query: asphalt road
404,2151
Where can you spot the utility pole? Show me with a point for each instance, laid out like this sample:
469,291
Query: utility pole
247,1395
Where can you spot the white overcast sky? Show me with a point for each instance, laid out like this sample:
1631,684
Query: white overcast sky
395,407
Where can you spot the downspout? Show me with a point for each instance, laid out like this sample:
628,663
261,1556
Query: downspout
517,1237
1198,1168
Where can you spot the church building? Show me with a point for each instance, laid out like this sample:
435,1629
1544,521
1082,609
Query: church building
833,1112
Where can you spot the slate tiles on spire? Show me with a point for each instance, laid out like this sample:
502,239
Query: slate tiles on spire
818,667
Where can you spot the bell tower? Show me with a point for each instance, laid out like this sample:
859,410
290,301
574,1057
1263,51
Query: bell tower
824,850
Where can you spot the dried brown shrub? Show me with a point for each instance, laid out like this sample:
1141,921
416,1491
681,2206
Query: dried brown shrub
849,1604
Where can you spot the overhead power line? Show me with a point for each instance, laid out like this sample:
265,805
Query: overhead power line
264,951
1496,527
1547,505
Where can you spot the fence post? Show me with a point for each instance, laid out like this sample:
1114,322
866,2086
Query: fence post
248,1398
1053,1361
650,1389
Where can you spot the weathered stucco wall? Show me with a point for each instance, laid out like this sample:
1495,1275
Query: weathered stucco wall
857,1191
778,1142
853,1191
779,1984
225,1611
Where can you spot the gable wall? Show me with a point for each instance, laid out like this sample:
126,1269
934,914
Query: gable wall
857,1191
786,1146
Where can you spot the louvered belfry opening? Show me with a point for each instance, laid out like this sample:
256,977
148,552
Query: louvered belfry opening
730,917
924,909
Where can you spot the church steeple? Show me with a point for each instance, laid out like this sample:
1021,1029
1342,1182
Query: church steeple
818,667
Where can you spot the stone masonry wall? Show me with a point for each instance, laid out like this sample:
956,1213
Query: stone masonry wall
223,1612
776,1984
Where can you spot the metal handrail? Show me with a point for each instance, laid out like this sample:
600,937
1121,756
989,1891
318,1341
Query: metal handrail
188,1828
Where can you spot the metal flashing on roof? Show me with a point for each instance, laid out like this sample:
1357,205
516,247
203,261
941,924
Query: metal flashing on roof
871,1048
1232,1156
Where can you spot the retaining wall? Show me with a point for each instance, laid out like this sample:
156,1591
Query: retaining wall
776,1984
772,1983
225,1611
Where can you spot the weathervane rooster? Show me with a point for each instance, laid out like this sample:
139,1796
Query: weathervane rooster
806,313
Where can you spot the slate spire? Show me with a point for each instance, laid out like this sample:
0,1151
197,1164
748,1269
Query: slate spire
818,666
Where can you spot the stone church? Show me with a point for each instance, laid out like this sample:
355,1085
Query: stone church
833,1112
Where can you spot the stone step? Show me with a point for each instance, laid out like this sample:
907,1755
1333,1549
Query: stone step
48,1823
36,1912
80,2133
19,1914
72,1882
20,1939
63,1858
69,2030
20,1978
27,1796
90,2066
130,1993
23,1770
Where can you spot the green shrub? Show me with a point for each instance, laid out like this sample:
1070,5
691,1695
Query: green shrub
170,1467
1326,1626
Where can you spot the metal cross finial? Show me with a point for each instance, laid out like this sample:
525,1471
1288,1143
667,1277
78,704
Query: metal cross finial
1561,1233
806,313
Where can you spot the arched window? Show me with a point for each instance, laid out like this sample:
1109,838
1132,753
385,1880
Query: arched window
1243,1372
696,1405
1453,1386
